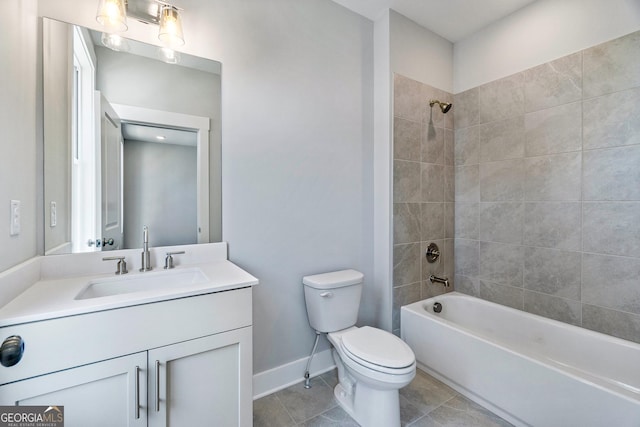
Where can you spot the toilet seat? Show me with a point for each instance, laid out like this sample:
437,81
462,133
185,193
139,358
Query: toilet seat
378,350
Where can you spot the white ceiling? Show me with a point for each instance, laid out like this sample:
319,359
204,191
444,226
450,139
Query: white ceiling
151,133
452,19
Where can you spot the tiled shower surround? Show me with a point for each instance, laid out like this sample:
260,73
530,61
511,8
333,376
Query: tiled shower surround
423,192
547,189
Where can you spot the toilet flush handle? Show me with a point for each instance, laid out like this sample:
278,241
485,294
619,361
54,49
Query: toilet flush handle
326,294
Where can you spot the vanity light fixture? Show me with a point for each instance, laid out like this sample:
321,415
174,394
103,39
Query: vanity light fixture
112,15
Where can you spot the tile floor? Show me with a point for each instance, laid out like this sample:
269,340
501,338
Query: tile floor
425,402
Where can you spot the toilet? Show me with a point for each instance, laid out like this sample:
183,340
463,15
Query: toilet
373,365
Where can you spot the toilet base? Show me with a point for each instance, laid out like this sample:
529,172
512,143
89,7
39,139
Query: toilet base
370,407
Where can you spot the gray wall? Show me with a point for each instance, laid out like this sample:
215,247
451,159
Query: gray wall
143,82
547,189
18,124
423,191
160,192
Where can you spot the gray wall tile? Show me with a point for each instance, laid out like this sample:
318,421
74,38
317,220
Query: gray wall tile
612,322
612,282
466,108
468,285
502,181
554,130
612,174
449,147
448,255
423,145
406,222
502,294
467,184
564,310
432,182
406,264
449,220
466,146
554,83
612,66
406,181
403,295
449,184
612,120
501,263
553,225
408,100
611,228
466,220
503,139
555,177
553,272
502,99
467,256
406,139
432,221
501,222
430,290
432,146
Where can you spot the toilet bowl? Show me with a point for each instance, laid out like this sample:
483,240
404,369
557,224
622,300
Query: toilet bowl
372,364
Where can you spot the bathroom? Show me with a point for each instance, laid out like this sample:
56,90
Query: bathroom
306,93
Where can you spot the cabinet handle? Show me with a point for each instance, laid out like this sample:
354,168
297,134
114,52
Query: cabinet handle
137,392
157,386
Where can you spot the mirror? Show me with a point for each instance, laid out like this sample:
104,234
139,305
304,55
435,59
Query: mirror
130,139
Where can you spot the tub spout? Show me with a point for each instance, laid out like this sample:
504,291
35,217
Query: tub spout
444,281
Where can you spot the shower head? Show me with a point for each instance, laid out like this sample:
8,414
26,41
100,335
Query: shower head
444,106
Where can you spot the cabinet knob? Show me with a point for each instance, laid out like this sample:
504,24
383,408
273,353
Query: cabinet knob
11,351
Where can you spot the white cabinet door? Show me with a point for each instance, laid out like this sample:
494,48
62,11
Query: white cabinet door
202,382
99,394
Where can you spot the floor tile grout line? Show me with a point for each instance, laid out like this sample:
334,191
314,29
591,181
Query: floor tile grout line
293,420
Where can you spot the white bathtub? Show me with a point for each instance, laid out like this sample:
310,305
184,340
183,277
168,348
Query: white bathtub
528,369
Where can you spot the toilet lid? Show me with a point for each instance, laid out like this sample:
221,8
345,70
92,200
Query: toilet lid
378,347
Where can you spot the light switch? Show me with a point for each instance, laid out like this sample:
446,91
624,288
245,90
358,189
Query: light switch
15,217
53,213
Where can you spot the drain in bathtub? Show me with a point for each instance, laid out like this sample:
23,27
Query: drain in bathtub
437,307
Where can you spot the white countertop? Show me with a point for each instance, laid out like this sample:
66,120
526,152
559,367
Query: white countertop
53,297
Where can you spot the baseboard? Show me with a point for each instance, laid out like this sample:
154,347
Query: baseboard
283,376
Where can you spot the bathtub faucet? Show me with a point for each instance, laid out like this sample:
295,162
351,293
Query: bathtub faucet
444,281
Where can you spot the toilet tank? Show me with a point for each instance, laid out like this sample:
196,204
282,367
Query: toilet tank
333,299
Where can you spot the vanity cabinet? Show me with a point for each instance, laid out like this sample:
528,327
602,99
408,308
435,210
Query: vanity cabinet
179,362
100,394
198,382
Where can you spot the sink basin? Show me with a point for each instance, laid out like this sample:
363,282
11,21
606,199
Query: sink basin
150,281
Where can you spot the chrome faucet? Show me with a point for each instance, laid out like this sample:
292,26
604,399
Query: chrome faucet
146,256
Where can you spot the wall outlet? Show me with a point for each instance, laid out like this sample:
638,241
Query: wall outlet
53,214
15,217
